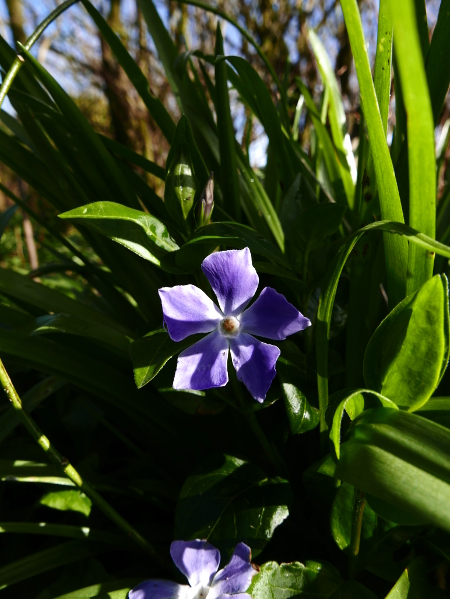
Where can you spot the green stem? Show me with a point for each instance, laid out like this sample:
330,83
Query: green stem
357,518
67,468
271,453
11,75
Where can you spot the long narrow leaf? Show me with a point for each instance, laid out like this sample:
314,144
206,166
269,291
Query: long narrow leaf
420,131
395,248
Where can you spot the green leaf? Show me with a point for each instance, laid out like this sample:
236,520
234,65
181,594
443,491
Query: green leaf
46,560
408,353
60,530
353,402
140,82
329,288
312,580
139,232
191,254
437,409
33,472
133,158
84,133
302,417
402,459
229,500
65,323
338,120
413,583
117,589
337,172
35,294
420,133
74,501
390,204
228,171
438,70
150,354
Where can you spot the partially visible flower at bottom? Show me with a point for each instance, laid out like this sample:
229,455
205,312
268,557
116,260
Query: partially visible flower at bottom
199,562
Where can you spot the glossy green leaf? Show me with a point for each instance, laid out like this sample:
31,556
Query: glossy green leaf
395,248
329,288
302,416
402,459
150,354
420,133
353,402
74,501
408,353
285,581
338,121
229,500
138,231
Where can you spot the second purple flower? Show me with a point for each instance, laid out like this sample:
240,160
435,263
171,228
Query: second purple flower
188,310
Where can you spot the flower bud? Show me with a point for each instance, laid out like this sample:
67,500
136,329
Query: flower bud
205,204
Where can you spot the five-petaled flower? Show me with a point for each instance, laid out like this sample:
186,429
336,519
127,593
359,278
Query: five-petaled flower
199,562
188,310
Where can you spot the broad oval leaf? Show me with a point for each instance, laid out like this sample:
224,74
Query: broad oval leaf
229,500
408,353
285,581
402,459
138,231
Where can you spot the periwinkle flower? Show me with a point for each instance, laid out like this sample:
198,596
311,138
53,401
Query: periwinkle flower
188,310
199,562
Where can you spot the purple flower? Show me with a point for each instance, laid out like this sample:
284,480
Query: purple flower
199,562
188,310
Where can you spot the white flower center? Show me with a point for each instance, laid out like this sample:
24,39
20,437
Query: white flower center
198,592
229,326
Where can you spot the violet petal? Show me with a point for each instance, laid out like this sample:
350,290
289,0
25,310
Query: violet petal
255,363
236,576
197,560
188,310
203,365
159,589
272,316
235,596
233,279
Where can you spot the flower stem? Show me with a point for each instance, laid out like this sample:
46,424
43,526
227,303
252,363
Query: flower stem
357,518
67,468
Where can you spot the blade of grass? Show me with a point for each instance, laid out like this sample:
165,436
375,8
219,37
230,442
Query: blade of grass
228,173
420,134
396,248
